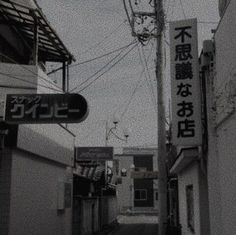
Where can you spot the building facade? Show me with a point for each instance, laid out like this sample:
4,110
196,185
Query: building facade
206,174
221,98
137,192
35,160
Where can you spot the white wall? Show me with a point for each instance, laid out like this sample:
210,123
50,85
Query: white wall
18,75
124,199
33,208
189,177
87,213
223,154
227,168
48,140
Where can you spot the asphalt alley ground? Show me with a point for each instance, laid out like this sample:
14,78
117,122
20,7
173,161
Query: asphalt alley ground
137,225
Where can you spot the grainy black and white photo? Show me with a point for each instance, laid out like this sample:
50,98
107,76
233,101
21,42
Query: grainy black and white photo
117,117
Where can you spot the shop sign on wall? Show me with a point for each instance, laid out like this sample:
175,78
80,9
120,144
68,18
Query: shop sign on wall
94,154
45,108
185,85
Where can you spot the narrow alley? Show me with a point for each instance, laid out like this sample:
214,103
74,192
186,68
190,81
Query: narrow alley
137,224
117,117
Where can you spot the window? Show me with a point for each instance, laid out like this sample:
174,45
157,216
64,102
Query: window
140,195
190,207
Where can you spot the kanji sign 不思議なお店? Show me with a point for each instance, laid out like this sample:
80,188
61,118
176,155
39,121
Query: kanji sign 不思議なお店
185,85
45,108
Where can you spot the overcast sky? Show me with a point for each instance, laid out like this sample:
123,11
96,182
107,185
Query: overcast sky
91,28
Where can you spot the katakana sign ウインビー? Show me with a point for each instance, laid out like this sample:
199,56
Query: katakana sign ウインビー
185,86
45,108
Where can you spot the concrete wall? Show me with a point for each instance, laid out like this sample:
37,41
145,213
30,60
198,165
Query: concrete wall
227,153
30,76
34,195
90,219
18,75
5,184
124,198
48,140
189,176
222,161
125,191
213,173
109,210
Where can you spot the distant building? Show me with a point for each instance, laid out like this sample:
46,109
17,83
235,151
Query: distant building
138,190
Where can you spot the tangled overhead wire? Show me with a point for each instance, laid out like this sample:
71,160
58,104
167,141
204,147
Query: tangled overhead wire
142,23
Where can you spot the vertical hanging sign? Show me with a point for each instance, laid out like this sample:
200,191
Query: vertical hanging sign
185,86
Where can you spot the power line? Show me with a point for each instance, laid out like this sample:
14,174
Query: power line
15,62
89,78
17,87
108,68
201,22
101,56
90,60
135,89
182,7
167,6
133,93
107,36
208,22
26,81
149,85
128,17
148,79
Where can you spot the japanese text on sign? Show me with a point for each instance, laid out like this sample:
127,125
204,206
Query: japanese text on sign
185,89
33,106
45,108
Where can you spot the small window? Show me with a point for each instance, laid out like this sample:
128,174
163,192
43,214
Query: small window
140,195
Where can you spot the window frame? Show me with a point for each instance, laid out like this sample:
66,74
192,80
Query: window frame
140,190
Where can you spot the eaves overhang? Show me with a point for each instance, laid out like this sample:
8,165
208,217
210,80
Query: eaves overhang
185,157
22,15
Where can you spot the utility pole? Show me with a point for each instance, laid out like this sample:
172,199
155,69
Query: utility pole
158,15
162,174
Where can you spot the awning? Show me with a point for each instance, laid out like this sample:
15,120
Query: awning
22,15
186,156
91,172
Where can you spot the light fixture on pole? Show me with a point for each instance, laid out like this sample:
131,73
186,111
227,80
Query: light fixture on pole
112,131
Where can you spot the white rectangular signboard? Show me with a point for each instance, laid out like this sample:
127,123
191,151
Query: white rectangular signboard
185,85
144,174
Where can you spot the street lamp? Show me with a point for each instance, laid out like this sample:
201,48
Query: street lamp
111,131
